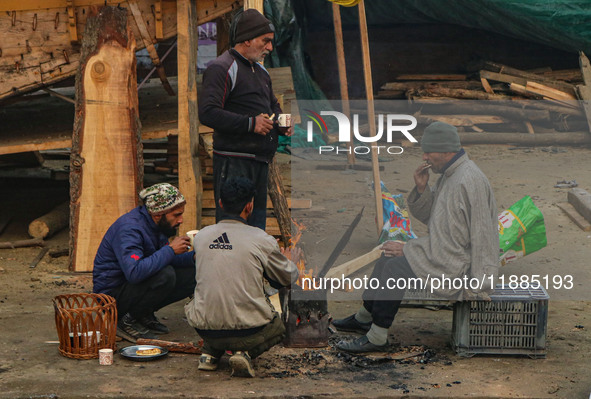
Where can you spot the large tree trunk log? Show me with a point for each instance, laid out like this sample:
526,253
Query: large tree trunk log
106,160
277,194
50,223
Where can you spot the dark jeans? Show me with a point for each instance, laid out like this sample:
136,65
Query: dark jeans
257,343
383,304
227,167
167,286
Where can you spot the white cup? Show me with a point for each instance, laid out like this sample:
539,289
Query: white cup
191,235
284,120
105,357
87,338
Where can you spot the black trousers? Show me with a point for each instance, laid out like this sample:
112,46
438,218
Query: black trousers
257,343
167,286
383,304
226,167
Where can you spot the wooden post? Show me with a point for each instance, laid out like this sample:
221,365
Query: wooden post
149,43
338,37
370,112
223,33
584,90
190,183
275,185
106,164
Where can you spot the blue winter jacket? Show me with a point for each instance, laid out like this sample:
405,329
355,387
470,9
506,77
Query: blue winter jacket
132,250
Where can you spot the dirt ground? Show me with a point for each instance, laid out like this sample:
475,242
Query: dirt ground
30,367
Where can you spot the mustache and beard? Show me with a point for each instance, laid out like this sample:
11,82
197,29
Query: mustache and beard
166,228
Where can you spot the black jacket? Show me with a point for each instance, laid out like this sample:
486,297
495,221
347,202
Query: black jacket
234,92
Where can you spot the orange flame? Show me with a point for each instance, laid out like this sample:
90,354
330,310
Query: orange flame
294,240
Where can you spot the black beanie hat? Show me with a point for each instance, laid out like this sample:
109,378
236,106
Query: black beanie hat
251,24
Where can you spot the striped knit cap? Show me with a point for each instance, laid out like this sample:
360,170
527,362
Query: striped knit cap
161,198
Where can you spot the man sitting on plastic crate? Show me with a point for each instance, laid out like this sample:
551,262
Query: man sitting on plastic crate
461,214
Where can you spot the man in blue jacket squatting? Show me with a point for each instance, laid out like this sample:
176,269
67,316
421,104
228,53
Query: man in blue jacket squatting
137,265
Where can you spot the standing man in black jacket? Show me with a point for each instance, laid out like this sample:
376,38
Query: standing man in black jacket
237,101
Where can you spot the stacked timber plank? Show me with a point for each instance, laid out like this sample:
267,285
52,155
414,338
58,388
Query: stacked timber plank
539,101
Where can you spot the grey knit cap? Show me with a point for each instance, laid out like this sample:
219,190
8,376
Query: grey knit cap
440,137
161,198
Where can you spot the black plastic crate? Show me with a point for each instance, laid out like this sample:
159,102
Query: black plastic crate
513,323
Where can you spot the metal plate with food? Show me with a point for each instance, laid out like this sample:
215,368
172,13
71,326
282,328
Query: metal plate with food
142,353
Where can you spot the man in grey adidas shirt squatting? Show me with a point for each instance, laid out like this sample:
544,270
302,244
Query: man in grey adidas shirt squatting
230,310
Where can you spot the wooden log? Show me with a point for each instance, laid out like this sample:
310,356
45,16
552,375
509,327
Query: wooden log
575,216
425,76
518,76
502,109
461,120
353,265
460,93
59,252
547,91
179,347
581,200
33,242
50,223
420,85
538,139
106,167
190,182
277,195
522,91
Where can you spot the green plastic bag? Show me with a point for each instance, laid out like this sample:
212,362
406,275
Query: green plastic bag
521,230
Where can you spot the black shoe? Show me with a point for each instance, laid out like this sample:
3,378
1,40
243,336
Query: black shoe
361,345
130,329
350,324
154,324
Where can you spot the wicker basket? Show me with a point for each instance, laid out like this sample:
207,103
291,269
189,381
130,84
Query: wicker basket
85,323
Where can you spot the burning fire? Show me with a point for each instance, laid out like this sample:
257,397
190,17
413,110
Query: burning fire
301,264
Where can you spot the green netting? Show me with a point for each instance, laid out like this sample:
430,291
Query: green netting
563,24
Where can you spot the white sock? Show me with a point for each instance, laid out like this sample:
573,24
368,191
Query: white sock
363,316
377,335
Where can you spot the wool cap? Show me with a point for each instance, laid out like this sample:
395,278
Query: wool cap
251,24
440,137
161,198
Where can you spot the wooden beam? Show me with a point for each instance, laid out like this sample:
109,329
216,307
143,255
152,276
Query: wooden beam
353,265
256,4
190,182
342,66
149,43
72,21
106,167
158,20
223,33
370,112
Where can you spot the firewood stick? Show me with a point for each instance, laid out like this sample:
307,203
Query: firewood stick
181,347
38,258
33,242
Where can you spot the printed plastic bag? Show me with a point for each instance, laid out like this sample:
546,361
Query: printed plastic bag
521,230
396,221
